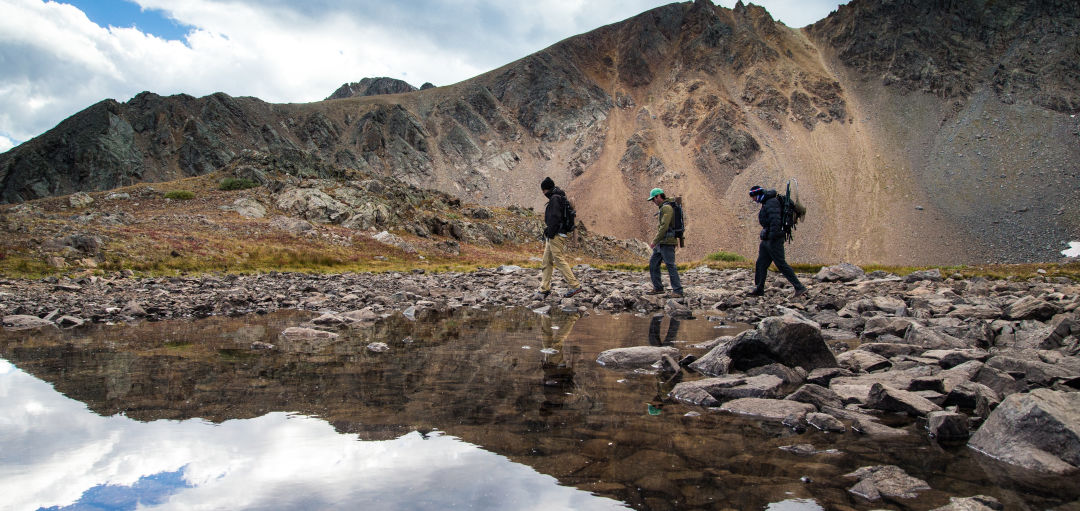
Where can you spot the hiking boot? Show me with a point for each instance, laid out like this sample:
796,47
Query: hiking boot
756,292
572,292
674,295
542,295
799,292
656,292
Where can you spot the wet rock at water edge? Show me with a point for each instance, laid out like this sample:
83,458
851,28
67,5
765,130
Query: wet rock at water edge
816,395
768,409
25,322
893,400
948,426
1039,431
713,391
880,481
796,342
825,422
635,357
976,503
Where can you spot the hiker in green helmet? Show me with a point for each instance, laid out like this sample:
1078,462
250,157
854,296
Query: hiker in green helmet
663,247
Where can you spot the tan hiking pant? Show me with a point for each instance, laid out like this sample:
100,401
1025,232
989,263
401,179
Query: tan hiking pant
554,249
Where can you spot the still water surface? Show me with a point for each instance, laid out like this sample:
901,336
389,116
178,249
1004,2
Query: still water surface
487,410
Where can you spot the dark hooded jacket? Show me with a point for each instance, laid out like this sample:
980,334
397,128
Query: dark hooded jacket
553,214
769,217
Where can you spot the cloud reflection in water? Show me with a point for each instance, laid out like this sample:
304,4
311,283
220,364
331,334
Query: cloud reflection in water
57,453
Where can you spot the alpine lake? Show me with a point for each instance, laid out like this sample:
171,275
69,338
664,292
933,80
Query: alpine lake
503,409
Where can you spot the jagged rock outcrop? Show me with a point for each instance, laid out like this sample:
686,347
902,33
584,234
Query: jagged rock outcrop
372,87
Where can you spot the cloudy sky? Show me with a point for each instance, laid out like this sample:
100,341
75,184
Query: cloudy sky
57,58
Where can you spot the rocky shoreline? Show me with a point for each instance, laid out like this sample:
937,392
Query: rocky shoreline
995,363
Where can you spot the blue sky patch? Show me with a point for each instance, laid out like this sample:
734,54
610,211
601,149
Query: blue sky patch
122,13
147,491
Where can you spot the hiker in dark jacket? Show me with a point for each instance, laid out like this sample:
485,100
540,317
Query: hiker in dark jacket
771,248
555,242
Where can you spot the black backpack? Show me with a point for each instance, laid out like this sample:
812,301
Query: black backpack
791,210
678,221
569,216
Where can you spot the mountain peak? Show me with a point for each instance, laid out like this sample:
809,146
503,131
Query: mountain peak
372,87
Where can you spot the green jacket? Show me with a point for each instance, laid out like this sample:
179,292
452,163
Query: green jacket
666,214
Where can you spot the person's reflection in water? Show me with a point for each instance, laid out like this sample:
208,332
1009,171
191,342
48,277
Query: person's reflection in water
558,367
666,381
654,331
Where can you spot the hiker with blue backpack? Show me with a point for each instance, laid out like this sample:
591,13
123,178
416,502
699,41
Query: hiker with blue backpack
559,217
668,235
774,232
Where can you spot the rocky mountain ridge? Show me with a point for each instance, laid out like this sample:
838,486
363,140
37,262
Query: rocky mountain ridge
908,147
375,87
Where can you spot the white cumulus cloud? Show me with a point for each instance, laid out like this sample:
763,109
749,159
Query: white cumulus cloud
54,61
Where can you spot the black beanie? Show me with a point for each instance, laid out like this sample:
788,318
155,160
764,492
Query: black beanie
547,184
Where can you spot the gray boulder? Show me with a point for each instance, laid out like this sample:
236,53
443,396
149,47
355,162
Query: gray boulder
1038,431
879,326
1065,334
861,361
304,340
885,481
929,337
865,424
740,353
825,422
768,409
894,400
635,357
789,376
25,322
933,275
80,200
1031,369
713,391
816,395
1029,307
976,503
1002,382
796,342
948,426
312,204
822,376
843,272
248,208
291,225
975,311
